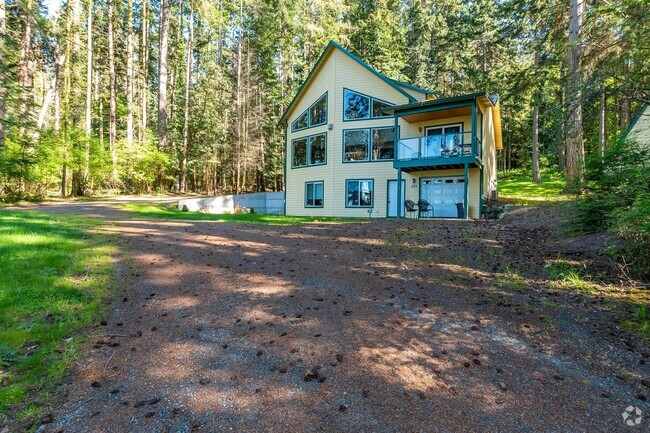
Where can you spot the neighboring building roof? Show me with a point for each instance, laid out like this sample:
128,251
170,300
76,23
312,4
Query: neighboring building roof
639,129
332,45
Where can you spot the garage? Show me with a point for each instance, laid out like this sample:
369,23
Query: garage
444,194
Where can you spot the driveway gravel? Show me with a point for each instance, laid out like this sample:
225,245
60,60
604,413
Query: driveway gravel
372,326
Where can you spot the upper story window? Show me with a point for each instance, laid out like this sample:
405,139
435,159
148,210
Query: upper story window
309,151
369,144
357,106
314,116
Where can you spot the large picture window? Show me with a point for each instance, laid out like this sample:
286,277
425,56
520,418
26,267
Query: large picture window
357,106
369,144
310,150
314,116
356,143
359,193
383,143
314,193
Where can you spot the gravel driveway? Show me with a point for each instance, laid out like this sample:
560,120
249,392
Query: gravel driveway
382,326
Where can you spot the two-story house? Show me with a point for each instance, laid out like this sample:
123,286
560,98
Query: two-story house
360,144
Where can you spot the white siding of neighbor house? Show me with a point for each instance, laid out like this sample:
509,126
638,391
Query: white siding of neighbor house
336,72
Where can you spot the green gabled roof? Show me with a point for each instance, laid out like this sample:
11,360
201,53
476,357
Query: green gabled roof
413,87
330,45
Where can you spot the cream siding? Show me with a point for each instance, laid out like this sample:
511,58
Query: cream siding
336,72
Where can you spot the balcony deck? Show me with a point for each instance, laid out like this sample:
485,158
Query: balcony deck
436,152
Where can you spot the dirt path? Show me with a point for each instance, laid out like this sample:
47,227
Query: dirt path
385,326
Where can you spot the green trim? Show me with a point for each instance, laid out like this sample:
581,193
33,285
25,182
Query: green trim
388,181
432,162
308,111
372,99
444,103
371,179
428,108
307,150
473,136
286,157
413,87
330,45
306,206
370,129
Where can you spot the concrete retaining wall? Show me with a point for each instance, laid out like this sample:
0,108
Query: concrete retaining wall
262,202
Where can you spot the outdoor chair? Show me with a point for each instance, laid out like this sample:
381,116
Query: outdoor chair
411,207
425,207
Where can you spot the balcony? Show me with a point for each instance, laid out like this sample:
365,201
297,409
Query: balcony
452,150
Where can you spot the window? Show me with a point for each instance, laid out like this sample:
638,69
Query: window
359,193
355,143
310,150
383,143
313,116
357,106
301,122
300,152
369,144
378,106
317,149
318,112
314,194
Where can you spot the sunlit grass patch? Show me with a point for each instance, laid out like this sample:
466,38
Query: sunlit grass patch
511,280
569,276
517,187
54,273
640,323
167,211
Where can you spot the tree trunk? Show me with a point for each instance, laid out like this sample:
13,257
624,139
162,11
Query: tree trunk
575,151
129,74
145,70
602,123
3,78
162,83
186,115
89,93
25,72
536,175
112,129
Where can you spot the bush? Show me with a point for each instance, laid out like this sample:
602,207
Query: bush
618,199
185,208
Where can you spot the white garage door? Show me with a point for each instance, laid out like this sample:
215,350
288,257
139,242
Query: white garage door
443,193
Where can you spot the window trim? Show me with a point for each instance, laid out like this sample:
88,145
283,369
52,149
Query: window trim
372,198
314,182
308,150
370,130
370,116
308,111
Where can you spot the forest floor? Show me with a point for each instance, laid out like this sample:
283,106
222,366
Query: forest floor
368,326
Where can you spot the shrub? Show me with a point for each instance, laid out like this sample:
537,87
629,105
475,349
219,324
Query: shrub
618,199
185,209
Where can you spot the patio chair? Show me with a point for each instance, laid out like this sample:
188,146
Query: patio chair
411,207
425,208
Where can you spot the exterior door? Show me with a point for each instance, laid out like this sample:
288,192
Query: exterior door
393,204
443,193
443,141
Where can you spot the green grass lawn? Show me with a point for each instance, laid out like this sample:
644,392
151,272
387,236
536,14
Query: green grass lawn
167,211
54,273
517,187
